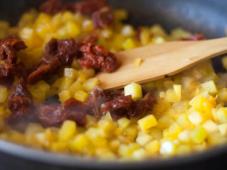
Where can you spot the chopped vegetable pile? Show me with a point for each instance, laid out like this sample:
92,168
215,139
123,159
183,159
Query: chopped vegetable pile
51,99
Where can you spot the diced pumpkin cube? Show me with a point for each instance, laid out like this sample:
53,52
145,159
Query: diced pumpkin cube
126,151
66,83
87,25
129,43
81,95
64,95
147,123
73,29
158,40
223,129
210,87
123,123
133,89
143,138
70,73
199,135
195,118
224,62
76,86
167,148
138,62
157,30
177,90
127,30
3,94
40,90
145,36
67,130
58,146
210,126
153,147
203,104
79,143
221,115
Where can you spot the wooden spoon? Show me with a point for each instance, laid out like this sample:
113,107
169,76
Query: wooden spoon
160,60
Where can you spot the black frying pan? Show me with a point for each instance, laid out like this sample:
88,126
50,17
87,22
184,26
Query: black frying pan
207,16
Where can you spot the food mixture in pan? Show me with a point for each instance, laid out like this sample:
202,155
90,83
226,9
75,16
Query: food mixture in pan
51,99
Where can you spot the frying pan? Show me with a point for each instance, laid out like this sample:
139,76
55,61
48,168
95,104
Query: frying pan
206,16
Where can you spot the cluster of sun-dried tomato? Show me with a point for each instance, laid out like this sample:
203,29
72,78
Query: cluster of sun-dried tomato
99,10
57,55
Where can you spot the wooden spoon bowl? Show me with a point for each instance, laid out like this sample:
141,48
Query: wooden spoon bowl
161,60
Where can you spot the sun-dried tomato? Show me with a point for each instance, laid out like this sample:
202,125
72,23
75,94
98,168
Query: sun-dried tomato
142,106
52,6
97,57
85,7
76,111
51,114
8,49
103,17
58,53
20,101
56,114
96,99
118,105
124,106
88,7
99,10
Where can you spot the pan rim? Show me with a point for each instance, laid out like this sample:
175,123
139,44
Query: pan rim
41,156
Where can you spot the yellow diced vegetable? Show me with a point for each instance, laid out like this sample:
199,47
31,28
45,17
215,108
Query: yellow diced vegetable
133,89
81,95
177,89
223,129
70,73
157,30
123,123
58,146
210,87
127,31
129,43
76,86
199,135
79,143
158,40
145,36
91,84
87,25
210,126
73,29
167,148
138,62
153,147
67,130
3,94
143,138
224,62
40,90
195,117
221,115
147,123
64,95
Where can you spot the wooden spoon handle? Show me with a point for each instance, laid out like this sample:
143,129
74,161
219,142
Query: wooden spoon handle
161,60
